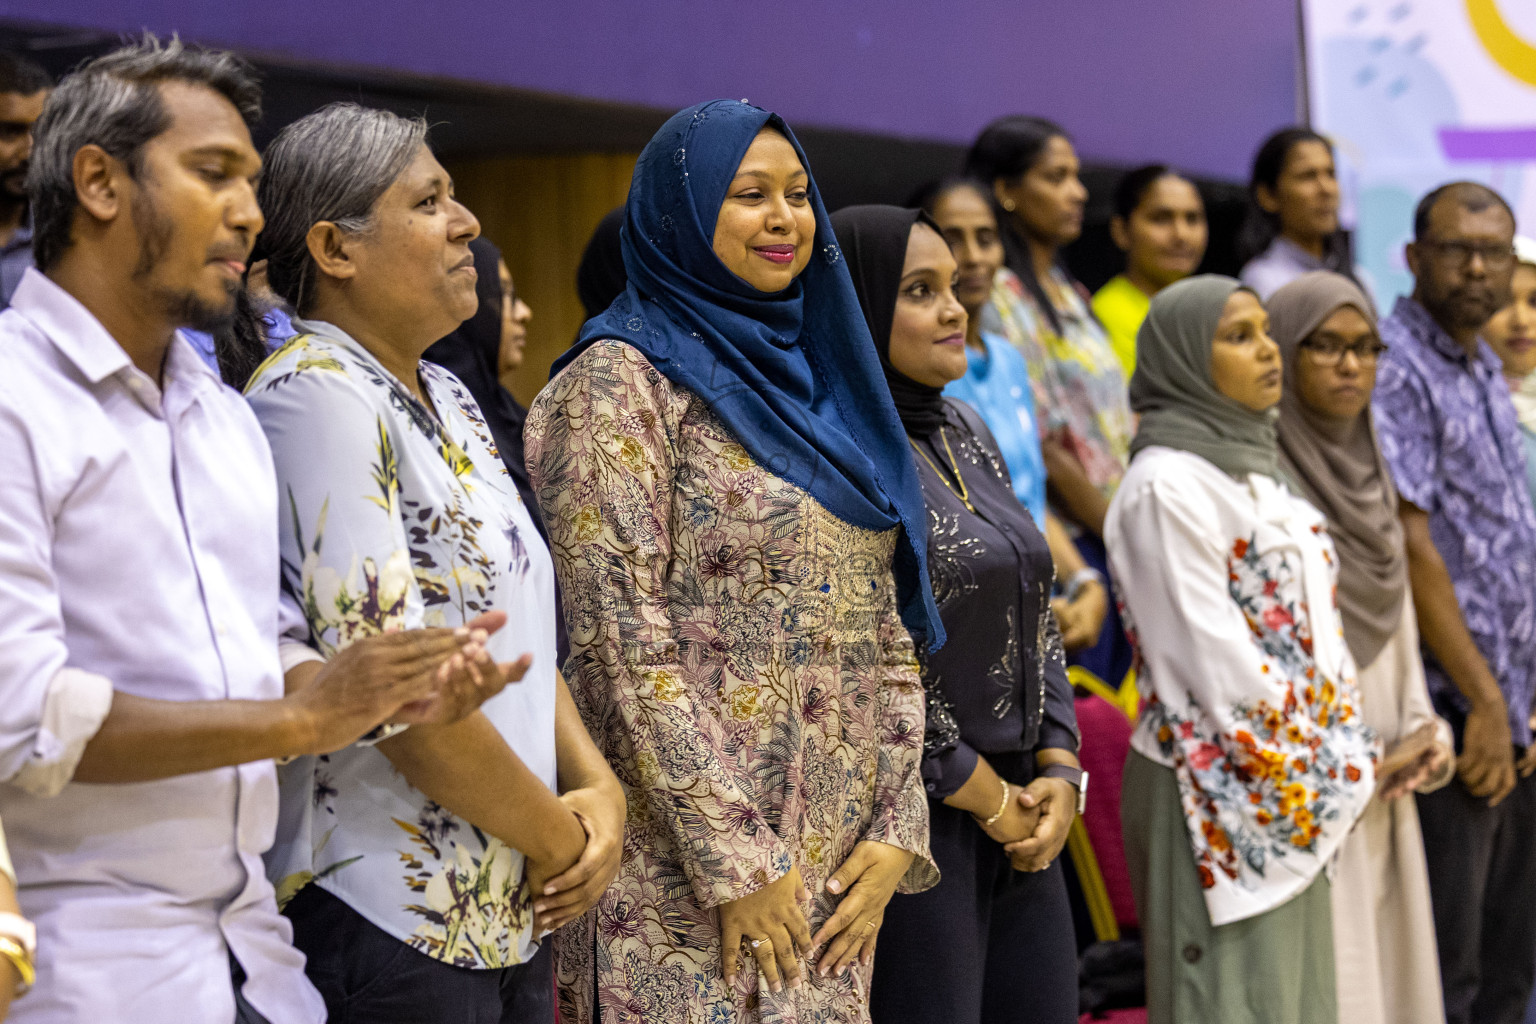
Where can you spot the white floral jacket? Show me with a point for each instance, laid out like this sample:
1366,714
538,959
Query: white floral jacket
1227,589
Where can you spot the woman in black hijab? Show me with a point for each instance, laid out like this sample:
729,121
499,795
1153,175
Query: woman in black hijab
473,354
999,750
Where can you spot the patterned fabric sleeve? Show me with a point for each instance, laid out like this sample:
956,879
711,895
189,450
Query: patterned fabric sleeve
345,554
601,461
901,801
1409,437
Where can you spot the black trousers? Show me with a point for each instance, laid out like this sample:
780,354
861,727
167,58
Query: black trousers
1482,884
368,976
987,945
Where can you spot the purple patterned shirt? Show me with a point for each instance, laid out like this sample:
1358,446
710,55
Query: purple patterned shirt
1450,434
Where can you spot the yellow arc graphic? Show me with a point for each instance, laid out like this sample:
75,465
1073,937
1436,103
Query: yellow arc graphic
1508,50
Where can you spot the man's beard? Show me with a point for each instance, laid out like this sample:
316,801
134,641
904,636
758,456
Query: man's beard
1464,309
13,186
182,308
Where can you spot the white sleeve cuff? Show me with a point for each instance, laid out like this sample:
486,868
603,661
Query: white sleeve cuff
293,654
5,861
73,710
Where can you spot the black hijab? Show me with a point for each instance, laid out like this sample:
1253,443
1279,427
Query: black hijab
874,242
600,277
473,354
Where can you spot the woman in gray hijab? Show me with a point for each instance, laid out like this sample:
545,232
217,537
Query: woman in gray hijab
1383,927
1250,761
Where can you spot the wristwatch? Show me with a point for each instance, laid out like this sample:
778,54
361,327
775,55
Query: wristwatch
1076,776
1081,579
18,944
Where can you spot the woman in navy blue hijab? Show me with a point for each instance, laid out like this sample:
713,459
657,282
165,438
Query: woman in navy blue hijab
740,538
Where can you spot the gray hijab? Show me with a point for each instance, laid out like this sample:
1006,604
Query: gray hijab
1172,389
1339,467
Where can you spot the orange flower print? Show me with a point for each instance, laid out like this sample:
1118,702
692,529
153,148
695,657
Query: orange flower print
1352,773
1207,877
1239,548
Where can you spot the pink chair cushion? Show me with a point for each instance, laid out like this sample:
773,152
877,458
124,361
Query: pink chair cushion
1106,741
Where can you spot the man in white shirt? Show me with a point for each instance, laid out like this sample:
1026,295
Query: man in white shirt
139,571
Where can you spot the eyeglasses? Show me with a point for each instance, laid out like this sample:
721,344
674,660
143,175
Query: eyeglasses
1325,354
1459,254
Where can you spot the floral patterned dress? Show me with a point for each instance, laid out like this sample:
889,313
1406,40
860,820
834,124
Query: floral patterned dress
1080,385
396,516
738,654
1227,588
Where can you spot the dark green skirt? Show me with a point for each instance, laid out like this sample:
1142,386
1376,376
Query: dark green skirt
1276,968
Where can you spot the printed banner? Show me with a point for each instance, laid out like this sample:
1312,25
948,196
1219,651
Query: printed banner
1416,93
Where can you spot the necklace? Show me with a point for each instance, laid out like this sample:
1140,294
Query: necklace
963,493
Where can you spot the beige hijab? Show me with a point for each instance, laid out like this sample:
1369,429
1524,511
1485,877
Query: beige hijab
1340,469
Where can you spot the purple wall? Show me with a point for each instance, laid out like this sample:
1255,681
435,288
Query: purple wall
1194,82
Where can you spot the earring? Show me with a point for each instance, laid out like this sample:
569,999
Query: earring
1008,205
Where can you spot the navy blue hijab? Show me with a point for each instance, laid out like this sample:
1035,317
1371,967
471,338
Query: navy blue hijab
793,374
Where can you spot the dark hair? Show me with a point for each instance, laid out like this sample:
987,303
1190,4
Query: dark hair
1469,195
1135,184
1007,148
22,76
927,195
114,102
1261,227
331,165
601,277
240,341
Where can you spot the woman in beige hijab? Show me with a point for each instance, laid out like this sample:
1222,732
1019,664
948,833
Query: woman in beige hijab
1386,966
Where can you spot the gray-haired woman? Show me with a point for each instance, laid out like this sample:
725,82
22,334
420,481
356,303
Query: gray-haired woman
419,873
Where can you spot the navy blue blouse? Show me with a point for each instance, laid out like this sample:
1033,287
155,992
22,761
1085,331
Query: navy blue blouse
999,686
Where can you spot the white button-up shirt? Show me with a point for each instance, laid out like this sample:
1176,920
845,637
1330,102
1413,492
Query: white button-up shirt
138,554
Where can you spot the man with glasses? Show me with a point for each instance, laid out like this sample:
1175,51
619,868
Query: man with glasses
1449,431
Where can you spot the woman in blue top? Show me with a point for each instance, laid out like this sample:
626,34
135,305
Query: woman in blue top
997,385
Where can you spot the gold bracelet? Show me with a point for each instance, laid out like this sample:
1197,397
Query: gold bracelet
1000,808
16,953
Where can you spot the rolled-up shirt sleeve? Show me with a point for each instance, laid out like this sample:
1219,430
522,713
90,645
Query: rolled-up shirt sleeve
48,710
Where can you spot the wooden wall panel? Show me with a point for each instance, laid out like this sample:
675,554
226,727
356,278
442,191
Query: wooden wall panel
540,211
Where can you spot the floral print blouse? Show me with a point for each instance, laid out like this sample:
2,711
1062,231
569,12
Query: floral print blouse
1080,386
738,654
1227,590
395,516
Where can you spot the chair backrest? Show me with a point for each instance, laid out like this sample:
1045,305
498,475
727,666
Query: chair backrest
1105,718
